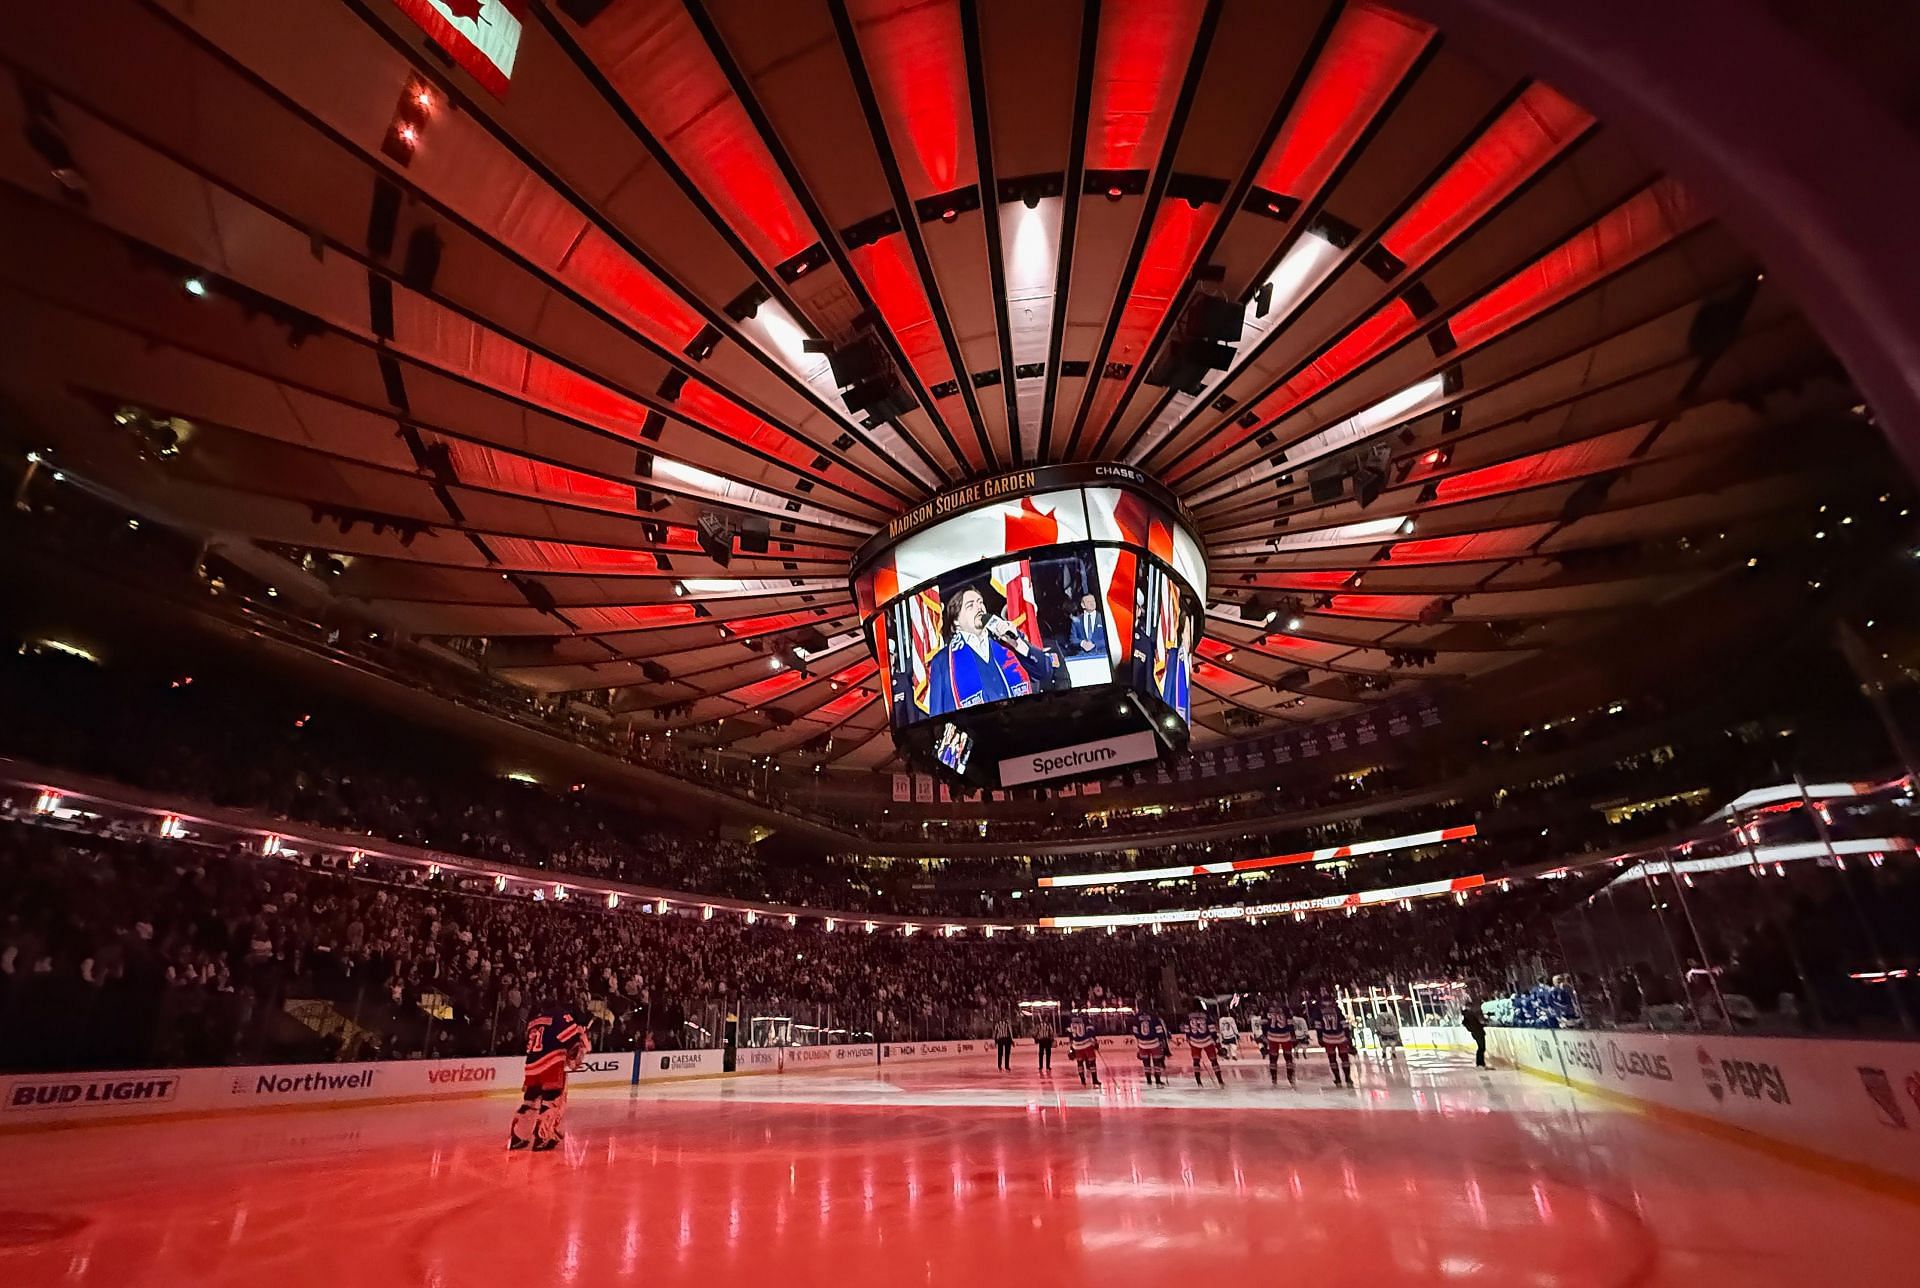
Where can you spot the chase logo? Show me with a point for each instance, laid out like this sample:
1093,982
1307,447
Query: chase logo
1583,1054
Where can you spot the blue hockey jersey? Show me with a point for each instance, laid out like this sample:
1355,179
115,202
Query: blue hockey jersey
553,1039
1328,1022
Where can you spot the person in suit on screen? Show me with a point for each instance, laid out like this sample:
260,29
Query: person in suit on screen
1175,687
1087,634
985,660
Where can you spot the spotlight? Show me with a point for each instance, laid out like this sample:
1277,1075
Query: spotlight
1294,623
195,286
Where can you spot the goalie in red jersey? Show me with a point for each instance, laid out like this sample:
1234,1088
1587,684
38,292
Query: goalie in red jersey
556,1043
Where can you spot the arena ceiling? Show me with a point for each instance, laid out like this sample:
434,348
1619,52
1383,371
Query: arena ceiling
499,338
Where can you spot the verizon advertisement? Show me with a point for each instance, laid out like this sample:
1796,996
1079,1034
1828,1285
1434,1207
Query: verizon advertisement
1081,758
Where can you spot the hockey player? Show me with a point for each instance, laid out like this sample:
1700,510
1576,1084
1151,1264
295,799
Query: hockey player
1330,1025
1083,1044
1203,1039
1229,1037
1279,1041
556,1042
1150,1044
1386,1031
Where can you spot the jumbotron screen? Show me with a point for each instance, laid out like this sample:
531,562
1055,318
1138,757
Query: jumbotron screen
1036,625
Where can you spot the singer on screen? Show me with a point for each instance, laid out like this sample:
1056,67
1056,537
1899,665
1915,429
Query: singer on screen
985,660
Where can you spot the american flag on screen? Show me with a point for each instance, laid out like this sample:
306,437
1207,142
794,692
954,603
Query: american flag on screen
482,35
923,624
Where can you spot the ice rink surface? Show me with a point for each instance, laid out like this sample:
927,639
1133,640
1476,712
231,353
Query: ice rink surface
1429,1172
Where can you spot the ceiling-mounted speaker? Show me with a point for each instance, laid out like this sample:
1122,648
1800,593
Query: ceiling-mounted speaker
1367,483
380,306
1214,317
422,261
858,360
383,219
1327,482
1588,497
582,11
1202,342
868,383
715,535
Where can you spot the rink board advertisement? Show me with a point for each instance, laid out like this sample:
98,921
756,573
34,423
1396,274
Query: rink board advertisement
28,1098
1855,1101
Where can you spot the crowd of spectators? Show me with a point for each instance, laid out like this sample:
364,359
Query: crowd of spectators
130,952
231,742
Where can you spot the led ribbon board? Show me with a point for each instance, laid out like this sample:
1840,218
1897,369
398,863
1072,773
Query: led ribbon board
1461,833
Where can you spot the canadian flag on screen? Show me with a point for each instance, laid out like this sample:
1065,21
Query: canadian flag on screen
482,35
1014,581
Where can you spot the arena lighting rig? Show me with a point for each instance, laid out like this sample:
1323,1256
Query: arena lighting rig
1038,625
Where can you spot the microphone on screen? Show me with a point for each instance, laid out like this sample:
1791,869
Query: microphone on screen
1002,629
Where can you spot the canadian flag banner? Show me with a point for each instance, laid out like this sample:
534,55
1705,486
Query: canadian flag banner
482,35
